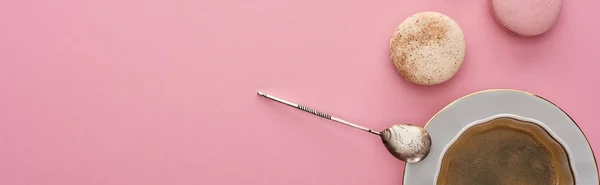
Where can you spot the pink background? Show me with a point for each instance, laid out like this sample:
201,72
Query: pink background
145,92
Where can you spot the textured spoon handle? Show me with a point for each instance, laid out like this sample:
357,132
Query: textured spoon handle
320,114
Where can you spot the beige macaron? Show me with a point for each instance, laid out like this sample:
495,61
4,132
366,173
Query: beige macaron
428,48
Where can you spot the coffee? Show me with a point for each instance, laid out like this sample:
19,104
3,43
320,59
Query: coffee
505,151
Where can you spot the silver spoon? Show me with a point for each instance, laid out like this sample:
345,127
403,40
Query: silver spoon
408,143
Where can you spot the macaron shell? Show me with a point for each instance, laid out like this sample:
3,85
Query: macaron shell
526,17
427,48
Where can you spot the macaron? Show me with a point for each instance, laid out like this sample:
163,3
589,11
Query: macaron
526,17
427,48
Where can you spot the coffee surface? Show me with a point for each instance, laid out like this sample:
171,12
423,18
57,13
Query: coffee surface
505,151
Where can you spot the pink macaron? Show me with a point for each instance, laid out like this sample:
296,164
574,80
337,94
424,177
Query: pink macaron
526,17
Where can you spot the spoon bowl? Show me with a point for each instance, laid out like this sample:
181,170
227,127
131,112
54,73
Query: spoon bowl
408,143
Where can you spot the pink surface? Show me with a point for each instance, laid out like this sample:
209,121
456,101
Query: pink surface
163,92
526,17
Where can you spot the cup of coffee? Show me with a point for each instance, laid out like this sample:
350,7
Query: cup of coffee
505,149
504,137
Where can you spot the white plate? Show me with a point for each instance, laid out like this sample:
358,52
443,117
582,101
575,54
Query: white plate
447,124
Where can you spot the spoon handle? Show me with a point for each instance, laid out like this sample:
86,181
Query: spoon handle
320,114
